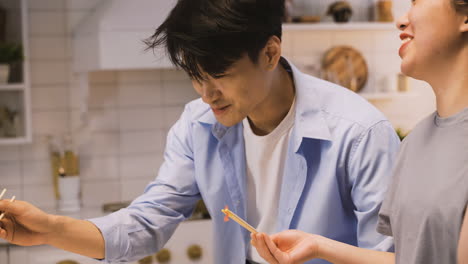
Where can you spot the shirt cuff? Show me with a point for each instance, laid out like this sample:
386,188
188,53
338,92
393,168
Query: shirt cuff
112,234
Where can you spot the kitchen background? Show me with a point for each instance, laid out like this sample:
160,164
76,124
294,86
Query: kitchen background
130,111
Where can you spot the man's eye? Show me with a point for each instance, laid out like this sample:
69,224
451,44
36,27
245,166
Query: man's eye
219,76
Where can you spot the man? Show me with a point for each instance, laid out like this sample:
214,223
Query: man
282,149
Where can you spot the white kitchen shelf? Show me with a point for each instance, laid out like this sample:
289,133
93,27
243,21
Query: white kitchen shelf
12,87
17,96
339,26
386,96
14,141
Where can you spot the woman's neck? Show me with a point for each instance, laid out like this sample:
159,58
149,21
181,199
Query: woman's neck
451,86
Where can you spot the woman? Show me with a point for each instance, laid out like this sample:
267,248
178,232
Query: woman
425,207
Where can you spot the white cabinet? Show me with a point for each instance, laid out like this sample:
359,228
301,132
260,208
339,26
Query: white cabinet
15,106
44,255
111,37
191,234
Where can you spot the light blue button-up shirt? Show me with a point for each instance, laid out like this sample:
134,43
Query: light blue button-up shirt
338,167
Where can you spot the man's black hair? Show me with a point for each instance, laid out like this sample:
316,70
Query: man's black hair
208,36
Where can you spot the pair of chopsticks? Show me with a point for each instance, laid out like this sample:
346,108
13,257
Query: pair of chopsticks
240,221
11,200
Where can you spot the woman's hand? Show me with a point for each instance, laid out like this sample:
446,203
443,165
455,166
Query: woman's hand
24,224
287,247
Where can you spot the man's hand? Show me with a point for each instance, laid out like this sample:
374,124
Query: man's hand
24,224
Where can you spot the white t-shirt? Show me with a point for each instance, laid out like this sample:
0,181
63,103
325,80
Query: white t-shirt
265,157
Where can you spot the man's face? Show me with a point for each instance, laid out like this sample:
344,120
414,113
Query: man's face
238,93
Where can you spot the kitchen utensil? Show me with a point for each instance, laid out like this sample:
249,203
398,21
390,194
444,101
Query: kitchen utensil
345,66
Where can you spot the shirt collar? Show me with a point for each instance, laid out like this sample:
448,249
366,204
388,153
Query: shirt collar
309,119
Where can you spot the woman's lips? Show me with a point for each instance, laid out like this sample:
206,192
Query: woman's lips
220,111
405,40
402,48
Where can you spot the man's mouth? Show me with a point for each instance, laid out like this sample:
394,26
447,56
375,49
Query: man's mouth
220,110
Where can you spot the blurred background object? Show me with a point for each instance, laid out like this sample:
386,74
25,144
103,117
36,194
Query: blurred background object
385,11
11,55
345,66
341,11
401,134
288,11
65,168
403,83
8,122
2,24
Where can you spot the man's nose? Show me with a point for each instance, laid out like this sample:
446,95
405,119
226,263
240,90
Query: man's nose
209,92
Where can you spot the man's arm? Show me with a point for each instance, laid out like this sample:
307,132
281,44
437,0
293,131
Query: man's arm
27,225
128,234
463,243
370,170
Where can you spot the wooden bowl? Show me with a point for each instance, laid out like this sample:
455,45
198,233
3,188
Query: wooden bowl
345,66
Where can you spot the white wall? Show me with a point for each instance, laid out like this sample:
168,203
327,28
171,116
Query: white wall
131,111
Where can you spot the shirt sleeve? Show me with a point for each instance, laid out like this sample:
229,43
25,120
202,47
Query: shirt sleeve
146,225
370,169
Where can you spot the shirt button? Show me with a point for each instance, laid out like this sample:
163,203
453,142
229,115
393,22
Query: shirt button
290,210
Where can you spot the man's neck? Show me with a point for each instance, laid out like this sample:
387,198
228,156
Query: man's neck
276,106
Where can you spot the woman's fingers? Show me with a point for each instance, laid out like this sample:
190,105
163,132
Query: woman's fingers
277,254
262,248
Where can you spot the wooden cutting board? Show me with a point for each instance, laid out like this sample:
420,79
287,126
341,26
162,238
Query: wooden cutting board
345,66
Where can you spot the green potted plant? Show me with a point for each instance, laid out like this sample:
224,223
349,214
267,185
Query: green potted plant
401,134
10,53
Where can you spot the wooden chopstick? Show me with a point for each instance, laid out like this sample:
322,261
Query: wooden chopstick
11,200
1,194
239,220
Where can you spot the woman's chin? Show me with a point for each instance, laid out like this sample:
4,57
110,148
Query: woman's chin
407,69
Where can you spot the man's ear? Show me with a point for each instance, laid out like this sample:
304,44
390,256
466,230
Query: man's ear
464,26
272,52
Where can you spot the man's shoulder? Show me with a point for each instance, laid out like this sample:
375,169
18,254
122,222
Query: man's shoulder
338,103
